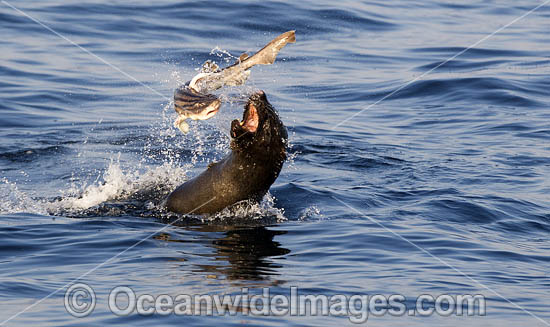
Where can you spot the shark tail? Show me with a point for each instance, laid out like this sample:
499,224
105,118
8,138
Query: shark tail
268,54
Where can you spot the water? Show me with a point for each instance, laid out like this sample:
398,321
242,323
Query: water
441,188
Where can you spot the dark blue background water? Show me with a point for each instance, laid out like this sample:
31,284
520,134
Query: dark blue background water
458,162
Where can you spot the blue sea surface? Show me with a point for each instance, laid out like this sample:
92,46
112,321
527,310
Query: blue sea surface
419,159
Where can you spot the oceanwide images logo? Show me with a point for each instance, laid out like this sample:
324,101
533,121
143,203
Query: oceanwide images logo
80,301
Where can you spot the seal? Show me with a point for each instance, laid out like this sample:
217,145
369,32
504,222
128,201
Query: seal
258,151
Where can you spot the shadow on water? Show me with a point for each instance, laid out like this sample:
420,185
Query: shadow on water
247,250
240,236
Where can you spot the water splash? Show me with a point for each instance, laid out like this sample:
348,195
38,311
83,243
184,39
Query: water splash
225,55
118,184
16,201
311,212
243,212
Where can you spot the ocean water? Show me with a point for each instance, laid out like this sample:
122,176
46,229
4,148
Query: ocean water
419,157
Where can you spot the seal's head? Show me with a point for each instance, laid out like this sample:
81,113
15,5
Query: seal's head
260,131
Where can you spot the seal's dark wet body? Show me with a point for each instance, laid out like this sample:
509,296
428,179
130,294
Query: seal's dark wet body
258,152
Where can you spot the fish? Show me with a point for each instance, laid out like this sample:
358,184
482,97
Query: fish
194,100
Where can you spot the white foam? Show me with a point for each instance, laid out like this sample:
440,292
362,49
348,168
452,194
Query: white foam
117,184
251,210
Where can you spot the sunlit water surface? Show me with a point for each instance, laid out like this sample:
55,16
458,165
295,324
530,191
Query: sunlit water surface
457,162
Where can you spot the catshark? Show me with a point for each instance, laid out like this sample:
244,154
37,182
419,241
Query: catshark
194,100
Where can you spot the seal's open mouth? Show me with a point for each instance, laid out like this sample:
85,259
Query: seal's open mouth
252,122
251,119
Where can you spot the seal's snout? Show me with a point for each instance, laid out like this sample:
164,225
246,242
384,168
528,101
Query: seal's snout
252,116
258,97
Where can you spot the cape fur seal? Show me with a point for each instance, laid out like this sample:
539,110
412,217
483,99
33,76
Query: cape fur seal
258,151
